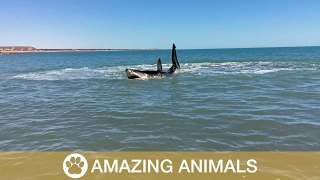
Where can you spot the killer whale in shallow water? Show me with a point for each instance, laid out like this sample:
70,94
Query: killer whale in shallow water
138,74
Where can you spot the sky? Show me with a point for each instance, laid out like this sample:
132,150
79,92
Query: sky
190,24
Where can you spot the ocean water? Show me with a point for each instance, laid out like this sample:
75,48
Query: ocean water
259,99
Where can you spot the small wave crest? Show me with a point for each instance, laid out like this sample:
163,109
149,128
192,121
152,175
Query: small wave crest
109,72
246,67
72,73
117,72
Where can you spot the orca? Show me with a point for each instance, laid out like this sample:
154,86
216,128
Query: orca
138,74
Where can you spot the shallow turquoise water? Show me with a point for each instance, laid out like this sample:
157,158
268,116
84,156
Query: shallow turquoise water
262,99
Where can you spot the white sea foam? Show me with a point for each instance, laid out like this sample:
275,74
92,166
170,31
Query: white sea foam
244,67
72,73
205,68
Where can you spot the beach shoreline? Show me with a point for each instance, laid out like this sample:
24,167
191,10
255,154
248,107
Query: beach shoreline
27,49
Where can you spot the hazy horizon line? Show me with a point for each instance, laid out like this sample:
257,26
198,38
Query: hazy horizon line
257,47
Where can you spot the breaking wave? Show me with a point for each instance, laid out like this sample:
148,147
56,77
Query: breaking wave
117,72
247,67
72,73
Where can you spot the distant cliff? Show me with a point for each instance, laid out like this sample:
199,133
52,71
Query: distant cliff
17,48
27,49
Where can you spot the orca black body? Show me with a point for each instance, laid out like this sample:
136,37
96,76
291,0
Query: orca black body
137,74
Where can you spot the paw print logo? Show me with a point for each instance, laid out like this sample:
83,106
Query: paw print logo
75,165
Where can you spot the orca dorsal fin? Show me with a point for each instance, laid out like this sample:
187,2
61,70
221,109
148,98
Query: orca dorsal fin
159,65
175,61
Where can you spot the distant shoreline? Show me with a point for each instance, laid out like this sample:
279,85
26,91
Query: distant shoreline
28,49
50,51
